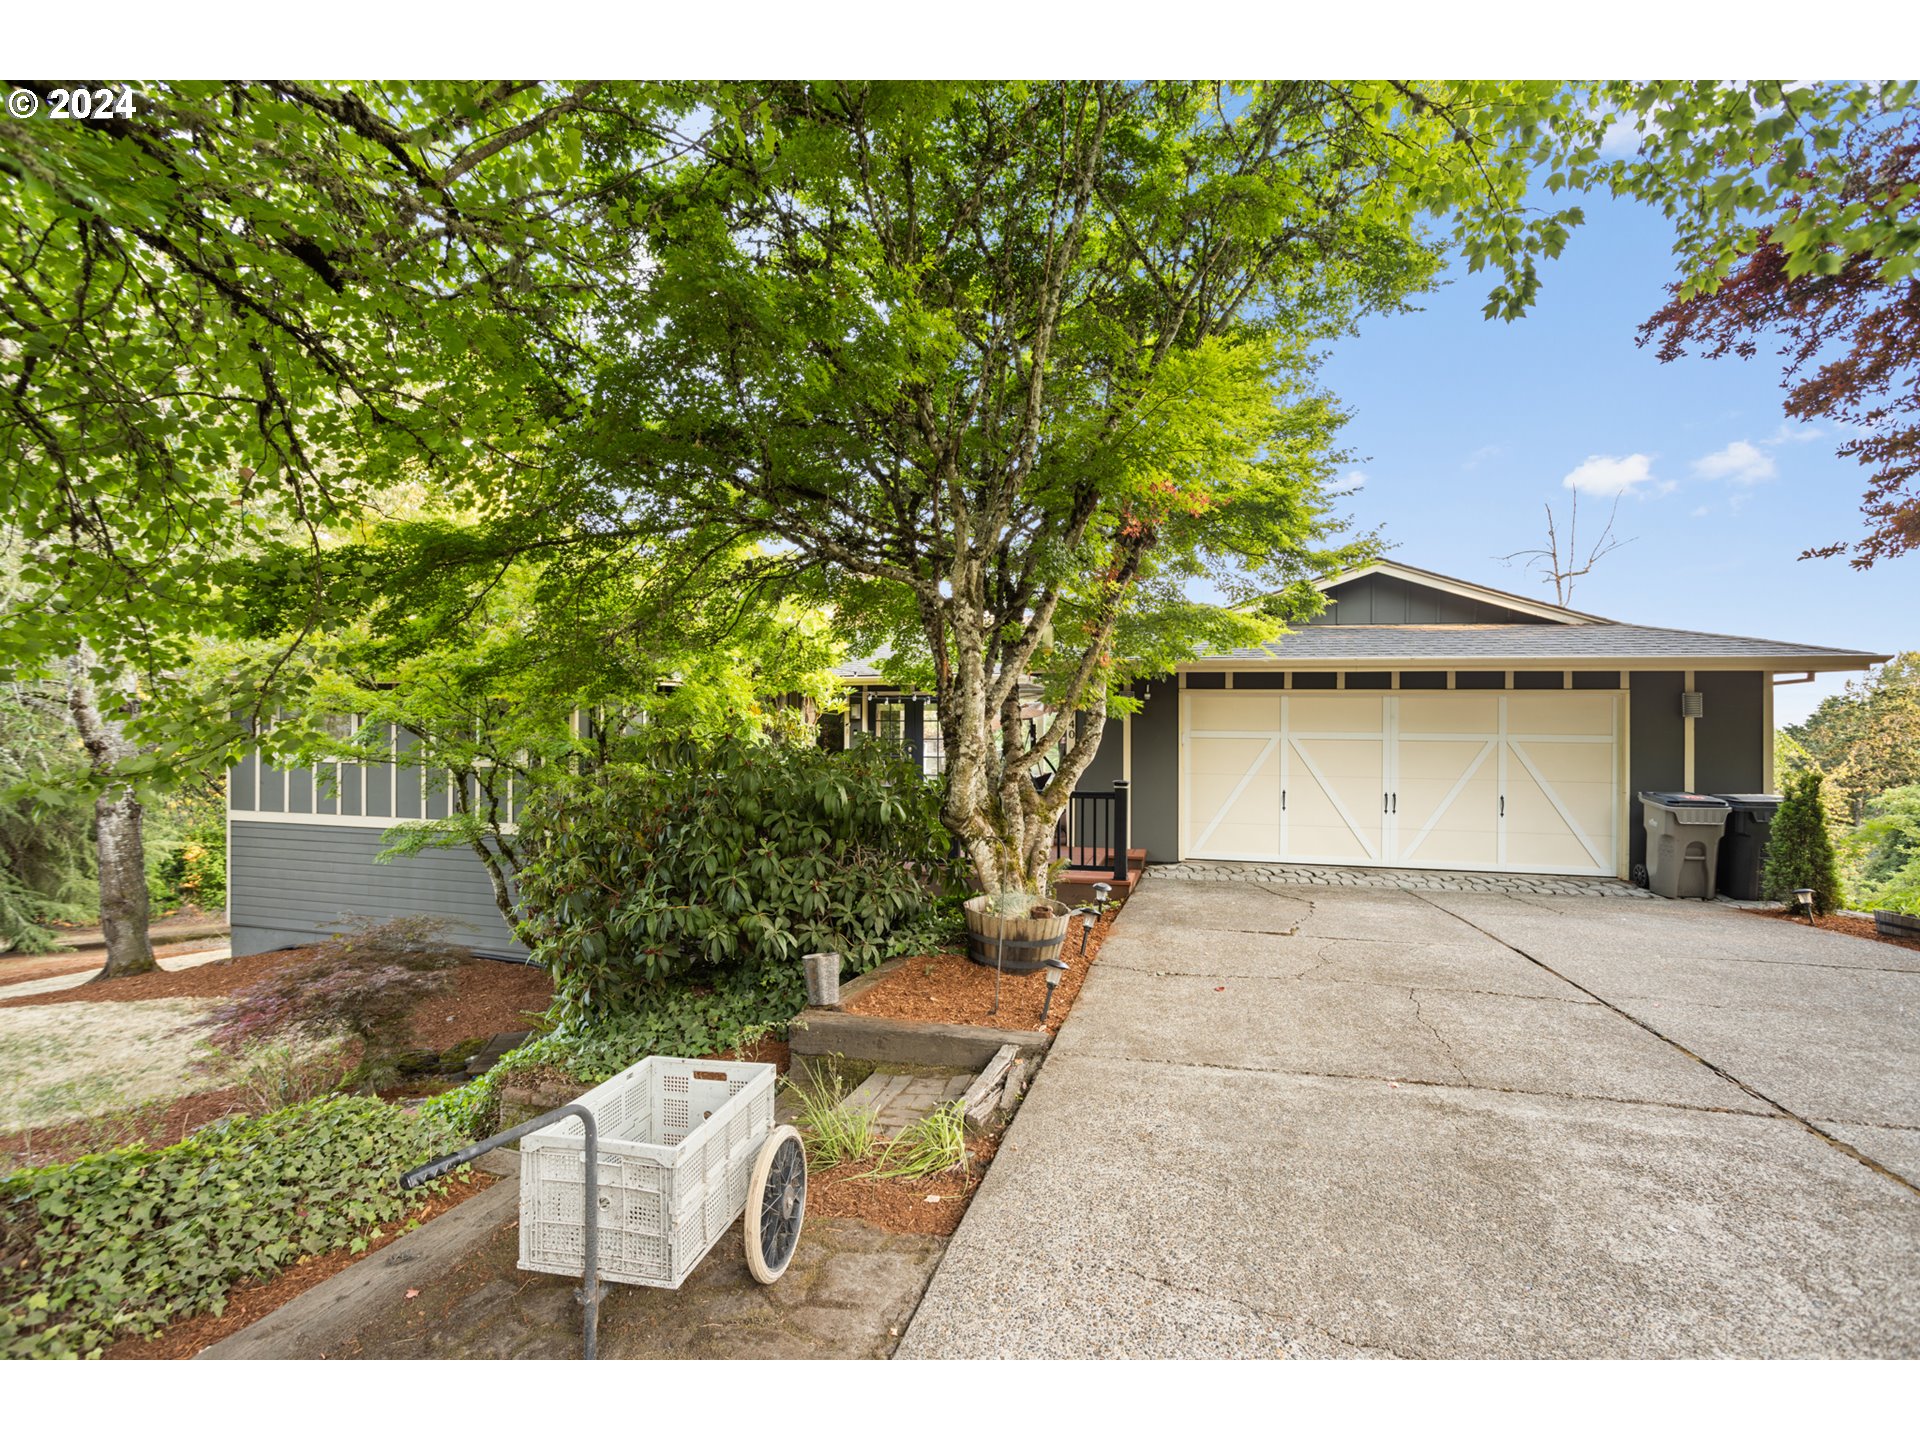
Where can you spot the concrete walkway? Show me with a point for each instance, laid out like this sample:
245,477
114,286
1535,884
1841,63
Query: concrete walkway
1340,1122
453,1291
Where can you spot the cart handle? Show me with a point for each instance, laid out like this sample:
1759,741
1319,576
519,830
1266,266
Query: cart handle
591,1290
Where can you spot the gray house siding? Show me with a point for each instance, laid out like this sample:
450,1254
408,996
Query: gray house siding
293,884
1729,740
1109,761
1389,600
1153,812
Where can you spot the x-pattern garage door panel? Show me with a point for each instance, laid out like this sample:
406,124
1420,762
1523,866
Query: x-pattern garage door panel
1447,780
1233,775
1336,771
1515,781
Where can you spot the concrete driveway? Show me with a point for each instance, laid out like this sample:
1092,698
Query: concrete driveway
1325,1122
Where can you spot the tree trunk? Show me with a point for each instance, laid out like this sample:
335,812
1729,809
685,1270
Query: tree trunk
121,845
119,841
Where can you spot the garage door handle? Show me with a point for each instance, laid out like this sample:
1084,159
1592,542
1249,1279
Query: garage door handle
1396,802
1503,805
1283,799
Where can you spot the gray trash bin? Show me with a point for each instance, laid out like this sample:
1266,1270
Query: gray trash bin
1683,842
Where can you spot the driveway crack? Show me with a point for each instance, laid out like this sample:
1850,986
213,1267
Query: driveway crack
1434,1030
1808,1125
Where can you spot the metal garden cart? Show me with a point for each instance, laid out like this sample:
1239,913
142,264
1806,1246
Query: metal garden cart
637,1179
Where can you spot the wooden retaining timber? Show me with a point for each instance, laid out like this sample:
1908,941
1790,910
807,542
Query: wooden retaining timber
821,1034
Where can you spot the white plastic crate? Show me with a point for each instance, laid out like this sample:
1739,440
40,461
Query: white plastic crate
677,1139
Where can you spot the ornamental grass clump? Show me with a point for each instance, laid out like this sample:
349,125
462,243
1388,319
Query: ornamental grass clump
120,1244
933,1145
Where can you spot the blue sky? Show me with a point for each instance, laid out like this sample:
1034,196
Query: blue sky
1466,427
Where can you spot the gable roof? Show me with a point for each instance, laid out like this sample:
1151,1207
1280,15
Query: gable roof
1601,642
1433,580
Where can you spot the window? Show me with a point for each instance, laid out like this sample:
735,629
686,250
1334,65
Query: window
1539,680
1369,680
933,752
1423,679
1259,680
1480,680
1206,680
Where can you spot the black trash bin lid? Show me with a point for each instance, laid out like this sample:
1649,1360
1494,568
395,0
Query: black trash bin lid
1681,797
1752,802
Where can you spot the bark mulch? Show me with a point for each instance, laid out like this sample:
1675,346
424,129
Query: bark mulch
929,1206
1841,924
952,990
15,969
258,1298
486,998
215,978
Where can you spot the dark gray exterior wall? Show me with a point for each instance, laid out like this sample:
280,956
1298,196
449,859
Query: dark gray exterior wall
1729,739
293,884
1109,761
1656,739
1389,600
1729,746
1153,812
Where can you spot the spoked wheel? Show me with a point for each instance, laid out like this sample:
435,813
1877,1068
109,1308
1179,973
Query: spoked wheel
776,1204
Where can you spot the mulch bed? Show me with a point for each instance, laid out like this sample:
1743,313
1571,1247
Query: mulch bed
215,978
487,997
1840,924
258,1298
951,989
930,1206
14,969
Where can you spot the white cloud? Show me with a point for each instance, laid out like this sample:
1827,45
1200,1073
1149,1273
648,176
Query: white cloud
1740,462
1610,474
1352,480
1700,511
1793,434
1623,136
1485,452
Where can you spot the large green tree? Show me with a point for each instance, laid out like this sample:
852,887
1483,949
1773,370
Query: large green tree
242,310
1009,367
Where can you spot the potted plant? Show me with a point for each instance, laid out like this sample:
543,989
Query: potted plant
1015,931
1897,924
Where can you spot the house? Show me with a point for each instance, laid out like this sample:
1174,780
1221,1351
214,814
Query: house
1427,722
1421,721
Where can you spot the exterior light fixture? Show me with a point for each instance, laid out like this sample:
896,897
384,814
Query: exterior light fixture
1803,900
1692,704
1055,969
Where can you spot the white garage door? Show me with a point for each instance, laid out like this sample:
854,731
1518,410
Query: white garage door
1453,781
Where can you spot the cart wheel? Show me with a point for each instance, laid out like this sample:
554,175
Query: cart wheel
776,1204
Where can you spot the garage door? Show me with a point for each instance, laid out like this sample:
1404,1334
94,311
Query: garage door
1445,781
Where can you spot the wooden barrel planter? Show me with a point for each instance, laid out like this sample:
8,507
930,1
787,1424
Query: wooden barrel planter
1020,943
1895,925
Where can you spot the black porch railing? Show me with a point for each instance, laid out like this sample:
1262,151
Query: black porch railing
1092,833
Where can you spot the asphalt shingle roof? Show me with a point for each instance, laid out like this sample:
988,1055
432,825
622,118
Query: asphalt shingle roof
1476,643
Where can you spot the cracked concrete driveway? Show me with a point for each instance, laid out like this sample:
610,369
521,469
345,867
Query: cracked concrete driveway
1313,1122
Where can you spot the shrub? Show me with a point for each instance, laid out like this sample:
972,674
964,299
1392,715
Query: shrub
124,1242
362,985
1886,852
722,865
1800,852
